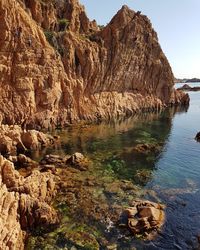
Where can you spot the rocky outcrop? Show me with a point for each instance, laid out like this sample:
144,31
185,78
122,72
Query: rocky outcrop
23,204
186,87
14,139
78,71
76,160
145,217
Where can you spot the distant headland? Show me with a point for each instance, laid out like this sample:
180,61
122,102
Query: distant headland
187,80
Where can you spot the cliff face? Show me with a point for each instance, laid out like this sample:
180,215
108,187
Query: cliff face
82,71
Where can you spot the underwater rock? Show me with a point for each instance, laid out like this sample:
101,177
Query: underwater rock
56,160
78,161
197,137
146,148
145,217
143,175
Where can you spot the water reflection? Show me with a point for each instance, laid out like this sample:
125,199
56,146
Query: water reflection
126,149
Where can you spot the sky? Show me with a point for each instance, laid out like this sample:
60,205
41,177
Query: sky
177,23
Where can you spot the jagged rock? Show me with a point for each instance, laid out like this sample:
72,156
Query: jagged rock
23,204
14,138
90,73
145,217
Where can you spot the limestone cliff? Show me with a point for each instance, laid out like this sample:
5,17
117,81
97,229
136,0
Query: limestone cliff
58,67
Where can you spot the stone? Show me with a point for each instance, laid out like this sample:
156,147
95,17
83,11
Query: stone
151,212
78,161
145,217
55,160
52,78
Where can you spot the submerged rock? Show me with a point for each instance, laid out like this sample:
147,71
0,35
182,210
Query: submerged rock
57,160
145,218
147,148
78,161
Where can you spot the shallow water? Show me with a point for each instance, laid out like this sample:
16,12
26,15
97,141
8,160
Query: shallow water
170,175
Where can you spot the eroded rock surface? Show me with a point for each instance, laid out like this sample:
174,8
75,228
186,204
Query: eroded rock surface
82,71
14,139
23,204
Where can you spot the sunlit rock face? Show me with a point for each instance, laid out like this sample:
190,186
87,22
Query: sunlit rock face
57,66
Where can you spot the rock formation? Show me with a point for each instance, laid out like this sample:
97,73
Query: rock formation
58,67
186,87
14,139
145,217
23,204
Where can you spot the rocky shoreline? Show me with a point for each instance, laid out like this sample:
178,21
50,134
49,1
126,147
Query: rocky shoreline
58,68
27,195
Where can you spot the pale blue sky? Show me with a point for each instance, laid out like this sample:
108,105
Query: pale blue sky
177,23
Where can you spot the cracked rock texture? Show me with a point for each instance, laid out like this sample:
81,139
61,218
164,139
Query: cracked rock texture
13,139
23,204
83,71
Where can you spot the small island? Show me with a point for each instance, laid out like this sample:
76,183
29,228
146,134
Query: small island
186,87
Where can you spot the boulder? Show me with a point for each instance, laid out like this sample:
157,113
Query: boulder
145,217
55,160
78,161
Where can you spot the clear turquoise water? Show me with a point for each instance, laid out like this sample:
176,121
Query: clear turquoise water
172,174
